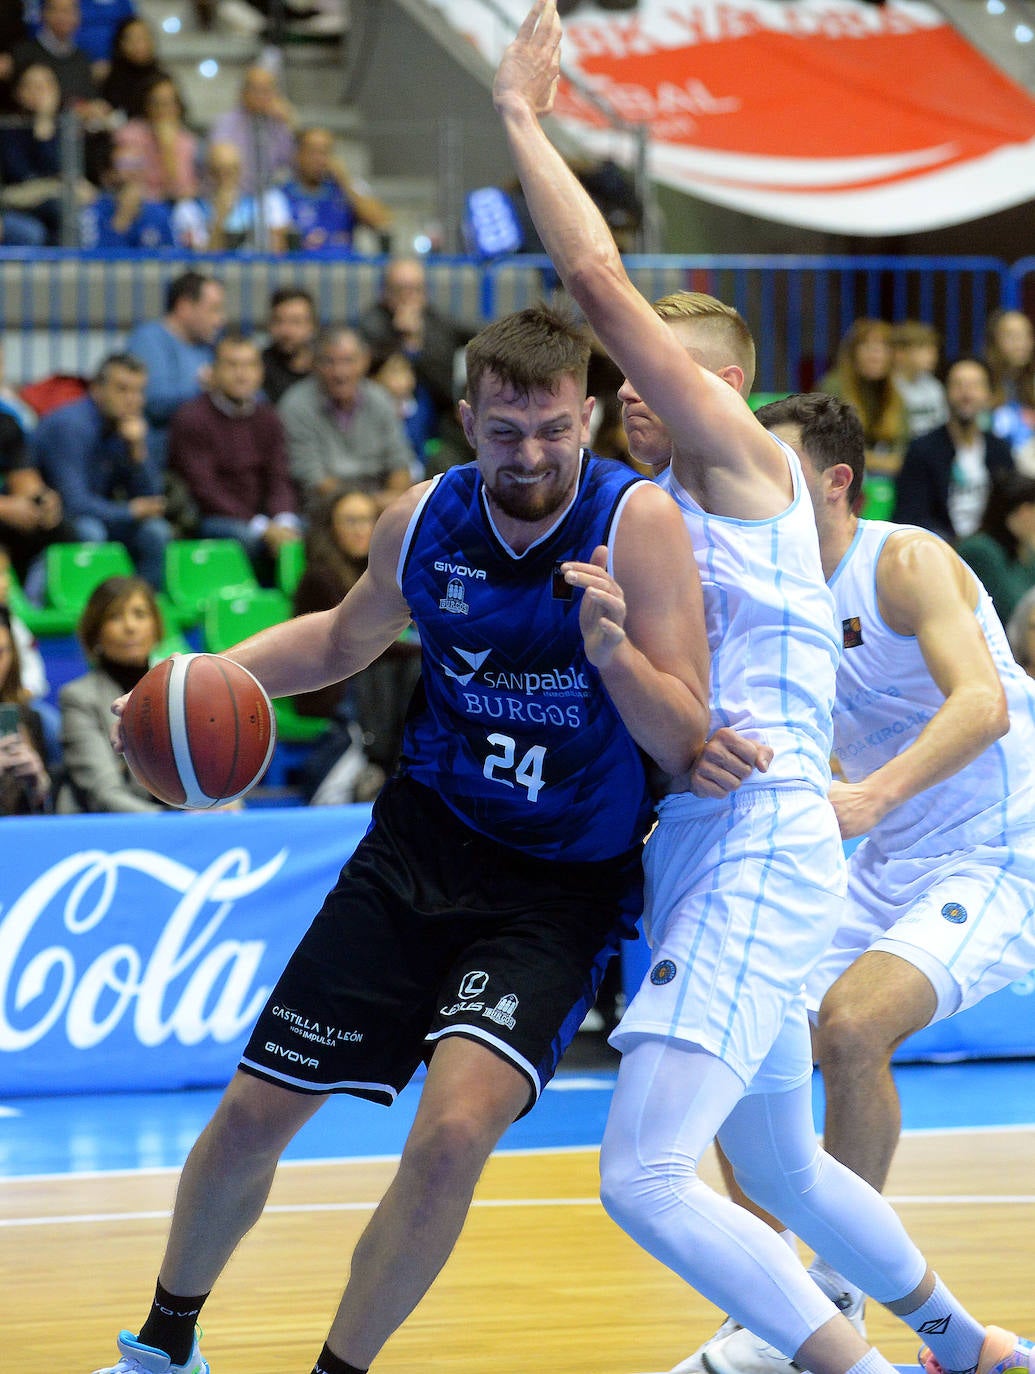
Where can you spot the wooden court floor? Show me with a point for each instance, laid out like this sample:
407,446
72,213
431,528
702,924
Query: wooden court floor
542,1280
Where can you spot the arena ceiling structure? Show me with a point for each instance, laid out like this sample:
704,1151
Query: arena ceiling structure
834,115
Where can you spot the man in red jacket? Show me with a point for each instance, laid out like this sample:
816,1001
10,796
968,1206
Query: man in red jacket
228,446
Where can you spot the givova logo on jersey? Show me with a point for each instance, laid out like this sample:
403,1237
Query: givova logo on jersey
455,600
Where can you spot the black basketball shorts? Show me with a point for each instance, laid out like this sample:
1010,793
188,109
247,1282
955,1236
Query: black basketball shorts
432,930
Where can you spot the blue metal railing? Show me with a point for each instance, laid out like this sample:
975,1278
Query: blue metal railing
61,310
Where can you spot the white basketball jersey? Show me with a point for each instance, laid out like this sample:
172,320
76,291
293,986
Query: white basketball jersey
885,697
771,631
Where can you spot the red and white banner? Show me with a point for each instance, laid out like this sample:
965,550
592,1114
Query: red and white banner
830,114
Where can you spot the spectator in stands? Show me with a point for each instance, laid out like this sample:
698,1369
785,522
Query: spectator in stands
292,324
1010,354
12,402
326,203
341,426
19,230
944,480
30,511
99,23
118,631
1021,632
229,448
133,69
24,780
403,320
223,217
13,31
55,45
177,350
122,216
33,669
262,129
30,154
396,374
376,699
862,376
95,453
915,348
159,149
1002,550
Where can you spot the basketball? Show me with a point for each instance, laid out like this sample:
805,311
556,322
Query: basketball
198,731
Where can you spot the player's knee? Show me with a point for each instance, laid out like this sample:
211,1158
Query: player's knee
633,1183
449,1150
849,1036
256,1118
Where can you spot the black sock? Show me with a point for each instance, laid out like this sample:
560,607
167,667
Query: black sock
170,1324
328,1363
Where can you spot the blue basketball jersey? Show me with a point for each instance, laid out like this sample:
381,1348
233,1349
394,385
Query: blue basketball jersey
512,725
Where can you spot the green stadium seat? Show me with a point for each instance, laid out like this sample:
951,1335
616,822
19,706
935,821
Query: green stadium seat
41,620
235,613
290,566
197,569
74,570
294,728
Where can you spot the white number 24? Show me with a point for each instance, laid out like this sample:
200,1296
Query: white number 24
528,771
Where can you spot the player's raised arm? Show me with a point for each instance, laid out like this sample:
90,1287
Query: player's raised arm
705,413
312,651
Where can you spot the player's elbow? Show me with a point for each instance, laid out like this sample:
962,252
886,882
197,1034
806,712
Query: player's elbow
999,720
991,715
595,280
677,754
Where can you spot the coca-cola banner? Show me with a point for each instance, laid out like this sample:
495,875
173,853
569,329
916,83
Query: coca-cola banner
831,114
136,951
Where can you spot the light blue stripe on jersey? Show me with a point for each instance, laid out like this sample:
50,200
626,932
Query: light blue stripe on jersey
770,622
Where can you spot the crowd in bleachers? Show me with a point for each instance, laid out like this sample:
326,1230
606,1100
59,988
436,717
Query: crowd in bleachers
98,149
230,480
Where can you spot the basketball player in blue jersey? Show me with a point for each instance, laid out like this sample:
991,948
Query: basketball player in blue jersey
744,892
561,624
934,728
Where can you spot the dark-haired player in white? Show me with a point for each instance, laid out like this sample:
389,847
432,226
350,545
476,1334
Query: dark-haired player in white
934,728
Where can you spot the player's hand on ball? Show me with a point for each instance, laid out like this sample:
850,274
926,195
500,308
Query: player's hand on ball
725,761
602,611
117,708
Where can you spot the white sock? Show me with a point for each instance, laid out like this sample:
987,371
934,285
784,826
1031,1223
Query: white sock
789,1239
873,1362
952,1333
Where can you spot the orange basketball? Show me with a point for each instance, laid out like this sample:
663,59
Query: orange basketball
198,731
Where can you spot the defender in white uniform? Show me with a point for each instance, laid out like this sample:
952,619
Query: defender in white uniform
934,729
743,892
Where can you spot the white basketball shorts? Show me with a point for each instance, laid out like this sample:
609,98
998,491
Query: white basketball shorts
743,895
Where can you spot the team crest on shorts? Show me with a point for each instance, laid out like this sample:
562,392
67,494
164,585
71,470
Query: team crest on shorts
954,912
663,972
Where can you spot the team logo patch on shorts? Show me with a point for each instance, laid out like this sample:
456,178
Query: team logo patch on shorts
663,972
954,912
